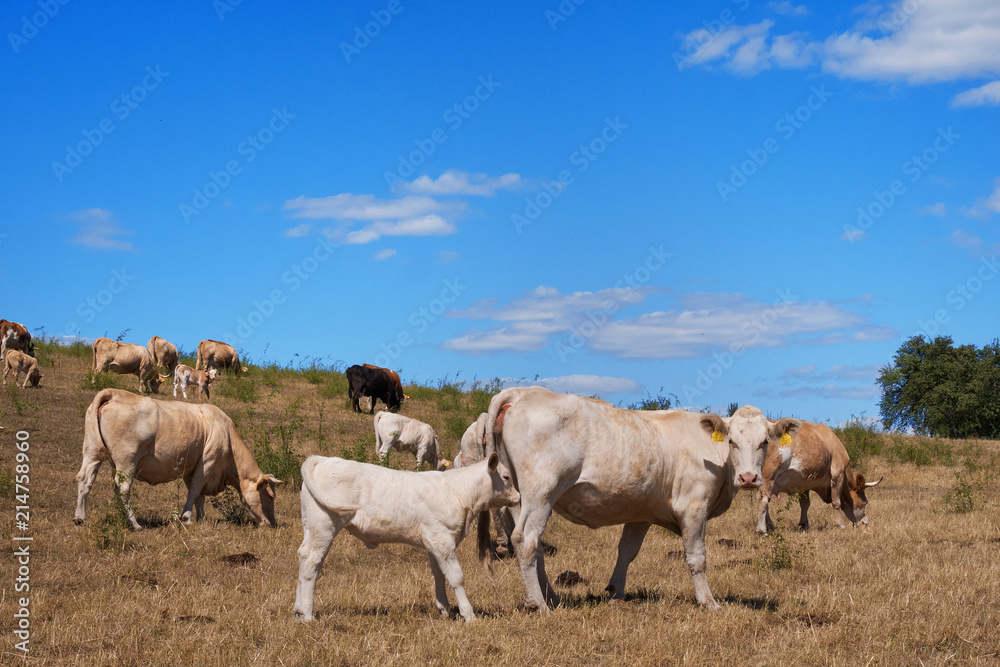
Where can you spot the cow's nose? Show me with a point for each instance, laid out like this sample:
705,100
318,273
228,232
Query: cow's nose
749,480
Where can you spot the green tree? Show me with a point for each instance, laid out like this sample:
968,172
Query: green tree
941,390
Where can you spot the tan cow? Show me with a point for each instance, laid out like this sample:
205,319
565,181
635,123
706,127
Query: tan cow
126,359
214,353
185,375
19,362
820,463
160,441
163,353
597,465
14,336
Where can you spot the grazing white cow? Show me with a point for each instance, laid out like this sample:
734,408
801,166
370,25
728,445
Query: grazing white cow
185,375
818,462
126,359
433,510
19,362
598,465
160,441
394,431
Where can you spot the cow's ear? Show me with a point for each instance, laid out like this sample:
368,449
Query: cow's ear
268,479
493,461
714,424
860,481
786,426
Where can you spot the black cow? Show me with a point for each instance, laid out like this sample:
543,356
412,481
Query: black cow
373,382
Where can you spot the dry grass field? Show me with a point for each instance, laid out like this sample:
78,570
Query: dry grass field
919,586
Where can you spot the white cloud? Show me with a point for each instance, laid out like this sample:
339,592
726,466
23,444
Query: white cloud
447,256
986,206
962,240
840,381
348,206
385,253
453,182
852,235
938,40
428,225
938,209
786,8
98,229
588,385
296,232
987,95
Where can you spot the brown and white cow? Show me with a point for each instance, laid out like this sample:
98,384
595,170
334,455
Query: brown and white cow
185,375
214,353
126,359
820,463
598,465
19,362
14,336
394,380
163,353
160,441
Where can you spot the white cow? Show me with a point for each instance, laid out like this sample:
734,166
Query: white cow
394,431
598,465
433,510
185,375
472,451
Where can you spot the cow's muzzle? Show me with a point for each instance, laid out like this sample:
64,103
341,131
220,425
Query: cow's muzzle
748,480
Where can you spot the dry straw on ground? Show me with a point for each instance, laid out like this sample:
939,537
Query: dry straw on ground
919,586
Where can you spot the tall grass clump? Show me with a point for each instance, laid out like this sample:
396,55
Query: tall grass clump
860,439
238,386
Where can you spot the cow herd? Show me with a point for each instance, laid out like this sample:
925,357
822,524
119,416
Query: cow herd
534,452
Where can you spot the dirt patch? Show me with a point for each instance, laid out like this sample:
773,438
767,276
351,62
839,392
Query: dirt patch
244,559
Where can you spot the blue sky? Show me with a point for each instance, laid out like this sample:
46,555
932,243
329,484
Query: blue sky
736,201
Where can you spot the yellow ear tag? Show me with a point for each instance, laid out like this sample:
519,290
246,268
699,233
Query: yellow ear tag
717,436
785,440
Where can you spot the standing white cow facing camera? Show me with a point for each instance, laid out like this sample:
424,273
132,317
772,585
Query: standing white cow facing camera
433,510
394,431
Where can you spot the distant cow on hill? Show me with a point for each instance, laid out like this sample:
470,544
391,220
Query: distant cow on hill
19,362
214,353
14,336
126,359
185,375
163,352
393,377
373,382
408,435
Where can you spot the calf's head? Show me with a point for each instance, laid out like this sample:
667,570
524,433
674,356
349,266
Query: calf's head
504,493
853,498
258,496
747,434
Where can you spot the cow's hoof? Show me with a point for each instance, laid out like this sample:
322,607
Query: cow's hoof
299,616
77,521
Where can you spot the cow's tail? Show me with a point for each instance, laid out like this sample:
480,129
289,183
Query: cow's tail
492,442
92,421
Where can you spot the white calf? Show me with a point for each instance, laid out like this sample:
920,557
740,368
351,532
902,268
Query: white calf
185,375
394,431
433,510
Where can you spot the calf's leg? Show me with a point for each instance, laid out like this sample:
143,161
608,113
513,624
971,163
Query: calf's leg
449,565
440,594
319,529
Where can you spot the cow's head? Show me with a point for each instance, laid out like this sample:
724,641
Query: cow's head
155,380
747,435
853,498
258,496
34,376
212,372
504,493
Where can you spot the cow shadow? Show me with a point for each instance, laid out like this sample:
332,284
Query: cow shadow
755,603
638,595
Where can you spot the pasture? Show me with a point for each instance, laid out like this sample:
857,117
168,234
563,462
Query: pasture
917,586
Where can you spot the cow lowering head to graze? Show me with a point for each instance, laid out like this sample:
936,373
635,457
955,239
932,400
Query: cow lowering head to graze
433,510
163,353
397,385
14,336
820,463
372,382
185,375
598,465
19,362
126,359
160,441
404,434
216,354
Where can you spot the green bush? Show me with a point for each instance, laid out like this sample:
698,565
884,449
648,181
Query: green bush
239,386
860,440
104,381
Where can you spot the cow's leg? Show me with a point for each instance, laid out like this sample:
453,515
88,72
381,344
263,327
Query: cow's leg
628,547
195,488
319,529
763,516
5,369
693,535
199,507
527,539
448,562
804,510
440,594
505,526
176,382
85,482
123,490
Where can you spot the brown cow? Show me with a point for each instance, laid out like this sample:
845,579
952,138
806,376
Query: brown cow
394,379
14,336
126,359
214,353
163,353
160,441
19,362
818,462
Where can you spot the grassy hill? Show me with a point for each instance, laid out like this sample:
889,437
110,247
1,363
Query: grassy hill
917,585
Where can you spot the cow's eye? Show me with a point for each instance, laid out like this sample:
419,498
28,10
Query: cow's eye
763,444
733,444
